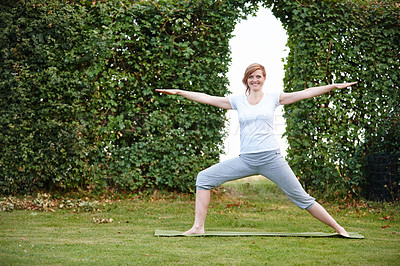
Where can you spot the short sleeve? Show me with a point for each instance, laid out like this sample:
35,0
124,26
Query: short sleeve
233,100
277,97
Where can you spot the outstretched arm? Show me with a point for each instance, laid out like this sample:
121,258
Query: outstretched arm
221,102
292,97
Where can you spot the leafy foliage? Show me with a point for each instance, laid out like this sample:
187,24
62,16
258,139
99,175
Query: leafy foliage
78,101
332,42
78,106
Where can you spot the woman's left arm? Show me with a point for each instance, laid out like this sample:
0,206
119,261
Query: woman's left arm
292,97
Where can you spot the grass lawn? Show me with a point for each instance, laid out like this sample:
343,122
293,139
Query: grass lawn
69,236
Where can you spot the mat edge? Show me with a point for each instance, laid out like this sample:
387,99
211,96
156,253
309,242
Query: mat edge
172,233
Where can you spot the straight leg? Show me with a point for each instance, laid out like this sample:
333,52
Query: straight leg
282,175
321,214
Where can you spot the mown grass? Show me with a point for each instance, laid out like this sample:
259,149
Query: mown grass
69,237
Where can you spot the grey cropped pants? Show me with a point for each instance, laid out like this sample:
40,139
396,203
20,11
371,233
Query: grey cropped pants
270,164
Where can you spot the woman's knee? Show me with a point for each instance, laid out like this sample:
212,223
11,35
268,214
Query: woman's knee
203,181
304,201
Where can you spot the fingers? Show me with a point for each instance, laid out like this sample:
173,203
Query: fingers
345,85
164,91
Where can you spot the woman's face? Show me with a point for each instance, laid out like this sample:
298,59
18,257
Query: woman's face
256,80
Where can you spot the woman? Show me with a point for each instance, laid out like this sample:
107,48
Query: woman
259,151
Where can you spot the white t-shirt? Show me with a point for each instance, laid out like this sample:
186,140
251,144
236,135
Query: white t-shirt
256,122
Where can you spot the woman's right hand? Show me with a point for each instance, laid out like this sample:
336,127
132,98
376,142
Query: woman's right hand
169,91
221,102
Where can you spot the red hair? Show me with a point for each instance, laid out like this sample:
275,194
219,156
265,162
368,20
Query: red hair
249,70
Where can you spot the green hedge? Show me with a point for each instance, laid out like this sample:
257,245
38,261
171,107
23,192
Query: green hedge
79,110
78,101
331,136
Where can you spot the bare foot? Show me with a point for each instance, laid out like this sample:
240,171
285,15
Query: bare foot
342,232
194,231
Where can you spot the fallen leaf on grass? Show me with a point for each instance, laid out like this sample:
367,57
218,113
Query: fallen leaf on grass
102,220
386,226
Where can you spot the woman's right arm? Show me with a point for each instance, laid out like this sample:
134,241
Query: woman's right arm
221,102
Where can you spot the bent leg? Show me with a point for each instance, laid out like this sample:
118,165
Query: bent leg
220,173
212,177
202,202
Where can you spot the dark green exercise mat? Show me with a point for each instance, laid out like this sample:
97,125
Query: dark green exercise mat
167,233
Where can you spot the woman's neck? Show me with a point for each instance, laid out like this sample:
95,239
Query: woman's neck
256,94
255,97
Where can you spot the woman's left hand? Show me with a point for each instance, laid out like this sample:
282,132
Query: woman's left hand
292,97
344,85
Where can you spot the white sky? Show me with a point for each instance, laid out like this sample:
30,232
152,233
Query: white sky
260,39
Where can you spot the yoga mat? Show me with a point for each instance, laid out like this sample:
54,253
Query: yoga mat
169,233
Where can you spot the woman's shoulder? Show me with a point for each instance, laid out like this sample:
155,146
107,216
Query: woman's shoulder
236,100
237,96
273,96
273,93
